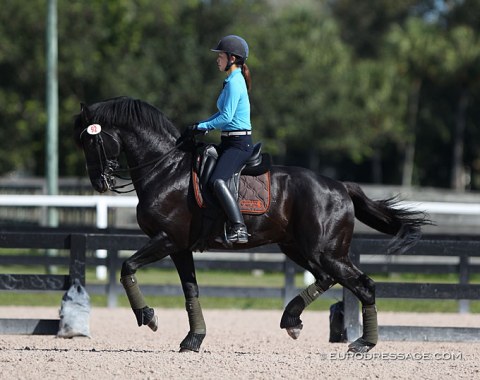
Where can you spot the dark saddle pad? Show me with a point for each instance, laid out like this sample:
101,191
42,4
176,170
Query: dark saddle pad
251,186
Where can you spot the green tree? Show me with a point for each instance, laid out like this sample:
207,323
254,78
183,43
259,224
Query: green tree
336,83
156,51
301,59
415,51
364,24
461,66
22,83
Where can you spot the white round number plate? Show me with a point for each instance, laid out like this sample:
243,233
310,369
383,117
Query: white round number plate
94,129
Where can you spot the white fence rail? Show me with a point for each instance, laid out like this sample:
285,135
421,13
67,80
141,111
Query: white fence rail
99,202
445,207
102,203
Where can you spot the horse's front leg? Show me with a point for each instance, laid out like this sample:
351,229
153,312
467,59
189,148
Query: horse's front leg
186,270
156,249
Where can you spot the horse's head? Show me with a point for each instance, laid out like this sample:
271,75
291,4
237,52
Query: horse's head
101,146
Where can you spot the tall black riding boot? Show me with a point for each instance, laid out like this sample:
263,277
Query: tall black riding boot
237,233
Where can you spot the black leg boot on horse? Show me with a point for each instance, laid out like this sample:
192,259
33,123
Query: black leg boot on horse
145,315
237,231
291,321
149,253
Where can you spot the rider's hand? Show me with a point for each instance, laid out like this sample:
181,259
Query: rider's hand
196,131
189,133
193,130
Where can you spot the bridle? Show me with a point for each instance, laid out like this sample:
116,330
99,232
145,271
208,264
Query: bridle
109,167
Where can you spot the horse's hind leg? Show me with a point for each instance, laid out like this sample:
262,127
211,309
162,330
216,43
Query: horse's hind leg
291,321
291,315
363,288
153,251
186,270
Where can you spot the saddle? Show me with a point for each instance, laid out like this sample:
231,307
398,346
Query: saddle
250,186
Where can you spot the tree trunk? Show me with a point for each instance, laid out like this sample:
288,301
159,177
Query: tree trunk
458,175
377,173
409,158
313,161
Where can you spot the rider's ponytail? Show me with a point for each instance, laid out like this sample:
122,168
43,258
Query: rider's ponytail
246,75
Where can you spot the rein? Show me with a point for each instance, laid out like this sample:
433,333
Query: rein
154,162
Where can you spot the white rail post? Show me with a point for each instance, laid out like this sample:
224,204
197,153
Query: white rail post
102,222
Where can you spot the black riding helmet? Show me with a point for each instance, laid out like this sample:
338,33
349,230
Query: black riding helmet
233,45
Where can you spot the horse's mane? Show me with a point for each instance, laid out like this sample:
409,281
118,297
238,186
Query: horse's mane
128,111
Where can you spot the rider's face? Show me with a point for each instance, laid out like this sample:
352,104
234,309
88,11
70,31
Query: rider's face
222,60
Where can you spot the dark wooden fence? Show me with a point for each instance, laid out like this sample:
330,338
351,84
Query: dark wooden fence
463,248
40,282
363,247
115,241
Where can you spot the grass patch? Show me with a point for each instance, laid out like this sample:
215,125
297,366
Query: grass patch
53,299
231,278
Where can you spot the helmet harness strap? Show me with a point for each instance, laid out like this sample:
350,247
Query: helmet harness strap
229,63
237,61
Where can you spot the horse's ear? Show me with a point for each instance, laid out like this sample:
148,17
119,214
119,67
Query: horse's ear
85,112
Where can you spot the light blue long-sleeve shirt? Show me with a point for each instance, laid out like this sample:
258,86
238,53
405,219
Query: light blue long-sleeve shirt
233,106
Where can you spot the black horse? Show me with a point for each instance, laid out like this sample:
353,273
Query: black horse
311,217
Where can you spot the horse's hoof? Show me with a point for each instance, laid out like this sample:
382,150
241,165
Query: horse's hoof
294,332
183,349
153,324
192,342
360,346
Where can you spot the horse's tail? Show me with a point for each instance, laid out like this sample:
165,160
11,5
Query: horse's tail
385,216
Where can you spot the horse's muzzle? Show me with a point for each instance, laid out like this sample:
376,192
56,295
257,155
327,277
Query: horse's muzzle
100,185
103,180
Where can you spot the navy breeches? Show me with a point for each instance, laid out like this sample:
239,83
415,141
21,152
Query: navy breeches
234,151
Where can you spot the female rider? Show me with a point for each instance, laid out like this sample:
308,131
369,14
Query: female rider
233,119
